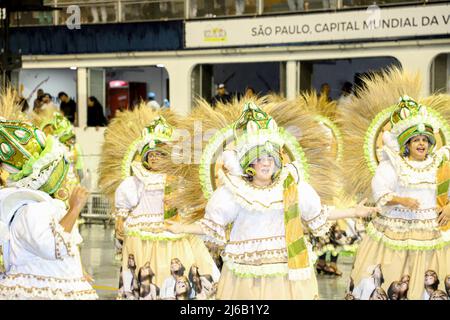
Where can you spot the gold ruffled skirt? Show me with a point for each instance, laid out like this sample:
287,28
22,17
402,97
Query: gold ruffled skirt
409,253
233,287
188,249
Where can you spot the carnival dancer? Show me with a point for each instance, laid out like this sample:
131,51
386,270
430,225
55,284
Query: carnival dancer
132,175
409,173
265,196
38,238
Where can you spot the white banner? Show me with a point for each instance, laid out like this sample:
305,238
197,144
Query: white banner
372,23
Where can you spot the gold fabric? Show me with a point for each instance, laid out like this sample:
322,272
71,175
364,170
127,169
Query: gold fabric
396,263
188,250
232,287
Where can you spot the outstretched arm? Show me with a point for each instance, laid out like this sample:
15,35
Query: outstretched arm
360,211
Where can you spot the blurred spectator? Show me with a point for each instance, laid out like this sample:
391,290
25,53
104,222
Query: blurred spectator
151,102
67,106
95,116
325,91
221,96
166,103
38,101
296,5
346,94
47,103
329,4
249,92
193,9
240,7
164,9
94,13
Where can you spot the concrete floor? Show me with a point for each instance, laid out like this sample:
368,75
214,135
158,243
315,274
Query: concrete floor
97,253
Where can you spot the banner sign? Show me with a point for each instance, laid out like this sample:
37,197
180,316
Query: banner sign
372,23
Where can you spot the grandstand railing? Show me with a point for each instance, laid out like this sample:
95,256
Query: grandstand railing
114,11
97,210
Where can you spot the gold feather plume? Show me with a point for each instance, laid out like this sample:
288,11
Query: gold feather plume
378,92
123,130
297,121
9,106
325,112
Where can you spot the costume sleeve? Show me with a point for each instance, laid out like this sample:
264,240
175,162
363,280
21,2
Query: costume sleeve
220,211
38,230
314,215
384,183
126,197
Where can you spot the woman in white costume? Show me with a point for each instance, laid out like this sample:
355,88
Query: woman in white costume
266,255
409,183
132,173
37,234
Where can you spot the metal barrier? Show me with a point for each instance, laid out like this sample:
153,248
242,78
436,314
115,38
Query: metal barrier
97,210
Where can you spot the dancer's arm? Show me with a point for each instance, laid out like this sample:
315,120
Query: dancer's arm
77,200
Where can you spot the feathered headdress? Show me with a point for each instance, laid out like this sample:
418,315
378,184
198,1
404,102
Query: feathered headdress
129,137
296,129
32,160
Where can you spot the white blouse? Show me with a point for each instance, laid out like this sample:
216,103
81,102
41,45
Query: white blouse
256,244
139,199
41,258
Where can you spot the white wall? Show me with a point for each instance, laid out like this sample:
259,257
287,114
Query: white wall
51,81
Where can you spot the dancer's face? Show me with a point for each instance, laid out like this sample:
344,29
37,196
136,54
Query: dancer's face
265,168
377,272
181,286
405,279
418,148
175,265
430,278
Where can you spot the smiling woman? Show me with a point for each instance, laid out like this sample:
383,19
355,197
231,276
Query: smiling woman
410,239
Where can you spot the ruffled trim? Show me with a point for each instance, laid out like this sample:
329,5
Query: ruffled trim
64,242
257,251
406,225
121,213
268,270
410,215
39,177
151,220
253,198
151,180
244,270
214,233
27,286
319,225
414,174
408,244
160,236
385,199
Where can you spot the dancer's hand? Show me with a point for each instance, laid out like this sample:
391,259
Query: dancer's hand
173,226
88,277
410,203
119,228
361,211
444,216
78,198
